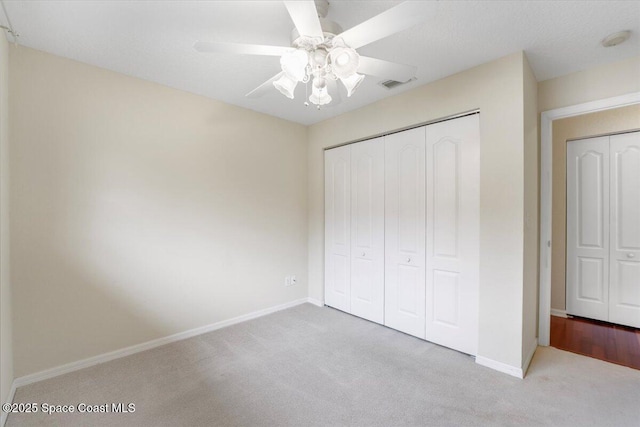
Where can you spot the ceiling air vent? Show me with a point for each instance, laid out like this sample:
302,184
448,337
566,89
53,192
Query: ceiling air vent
391,84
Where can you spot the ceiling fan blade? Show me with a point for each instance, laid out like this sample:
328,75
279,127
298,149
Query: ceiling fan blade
264,87
386,69
240,49
392,21
305,17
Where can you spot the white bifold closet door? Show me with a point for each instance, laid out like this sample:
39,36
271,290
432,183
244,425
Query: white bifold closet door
588,228
624,288
405,231
354,229
452,253
367,229
337,203
603,228
402,231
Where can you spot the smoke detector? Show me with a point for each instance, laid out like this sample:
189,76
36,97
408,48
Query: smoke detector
615,38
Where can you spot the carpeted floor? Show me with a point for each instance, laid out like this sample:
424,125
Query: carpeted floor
311,366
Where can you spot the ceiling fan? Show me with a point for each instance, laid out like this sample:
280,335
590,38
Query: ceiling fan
321,53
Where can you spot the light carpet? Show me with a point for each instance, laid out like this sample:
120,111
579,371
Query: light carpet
311,366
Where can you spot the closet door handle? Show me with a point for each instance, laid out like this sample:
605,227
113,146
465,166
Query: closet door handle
631,255
409,260
364,254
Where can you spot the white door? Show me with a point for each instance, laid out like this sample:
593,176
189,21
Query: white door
337,203
405,231
624,284
588,228
453,203
367,229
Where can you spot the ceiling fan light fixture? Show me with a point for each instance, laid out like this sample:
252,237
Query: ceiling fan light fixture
318,59
319,96
285,85
319,82
344,61
294,64
352,83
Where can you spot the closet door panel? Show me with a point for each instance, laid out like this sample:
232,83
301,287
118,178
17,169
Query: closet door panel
367,229
338,228
587,272
452,229
624,288
405,231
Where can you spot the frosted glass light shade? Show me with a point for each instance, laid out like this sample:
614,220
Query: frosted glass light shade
352,82
285,85
294,63
320,96
344,61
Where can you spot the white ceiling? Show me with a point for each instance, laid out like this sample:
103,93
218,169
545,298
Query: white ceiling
153,40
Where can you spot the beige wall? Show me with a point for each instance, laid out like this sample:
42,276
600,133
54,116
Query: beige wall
606,81
531,247
6,341
497,89
600,123
139,211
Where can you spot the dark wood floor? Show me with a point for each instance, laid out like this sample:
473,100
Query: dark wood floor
601,340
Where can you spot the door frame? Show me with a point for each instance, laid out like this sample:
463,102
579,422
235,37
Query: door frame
546,162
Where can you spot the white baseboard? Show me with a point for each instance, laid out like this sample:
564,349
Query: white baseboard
106,357
508,369
315,302
533,346
12,393
558,313
514,371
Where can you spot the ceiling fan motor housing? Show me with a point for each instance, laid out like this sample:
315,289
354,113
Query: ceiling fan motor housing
322,6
